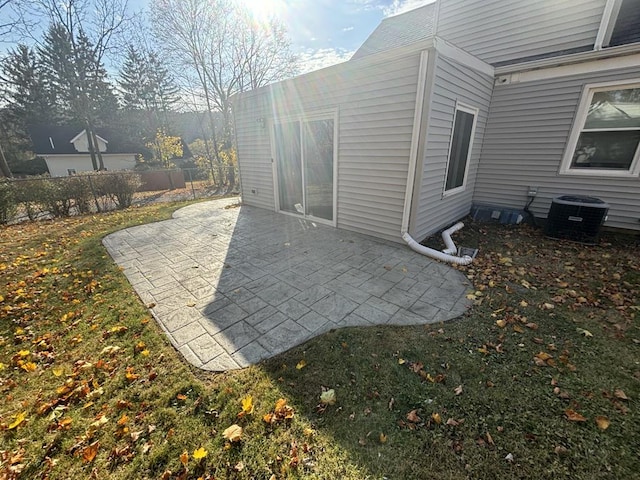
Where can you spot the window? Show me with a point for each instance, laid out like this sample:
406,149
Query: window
464,123
606,134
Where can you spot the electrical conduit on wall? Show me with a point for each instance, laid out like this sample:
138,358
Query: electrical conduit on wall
446,255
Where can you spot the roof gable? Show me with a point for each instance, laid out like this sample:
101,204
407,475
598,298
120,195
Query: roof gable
400,30
62,140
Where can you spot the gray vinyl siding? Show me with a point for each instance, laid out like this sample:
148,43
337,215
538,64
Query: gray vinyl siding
376,104
452,83
505,30
525,142
254,151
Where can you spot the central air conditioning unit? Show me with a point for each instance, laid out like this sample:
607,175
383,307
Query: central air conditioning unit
577,218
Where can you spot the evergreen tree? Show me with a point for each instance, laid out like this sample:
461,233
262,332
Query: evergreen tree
79,82
25,89
147,93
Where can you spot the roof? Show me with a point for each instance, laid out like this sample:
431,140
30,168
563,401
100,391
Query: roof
49,140
400,30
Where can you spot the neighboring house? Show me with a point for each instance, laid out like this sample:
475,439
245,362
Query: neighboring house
66,151
455,104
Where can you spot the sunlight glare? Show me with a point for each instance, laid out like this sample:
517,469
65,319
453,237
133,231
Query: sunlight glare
264,10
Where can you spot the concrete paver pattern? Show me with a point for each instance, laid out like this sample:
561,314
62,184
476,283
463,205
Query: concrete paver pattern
232,285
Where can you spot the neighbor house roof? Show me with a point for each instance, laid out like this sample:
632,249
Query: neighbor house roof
400,30
50,140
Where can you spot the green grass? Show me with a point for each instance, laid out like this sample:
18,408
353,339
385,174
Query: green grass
66,303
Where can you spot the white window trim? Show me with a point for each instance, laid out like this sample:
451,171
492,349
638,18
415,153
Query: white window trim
330,114
578,127
473,111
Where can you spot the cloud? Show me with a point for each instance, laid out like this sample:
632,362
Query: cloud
348,29
401,6
315,59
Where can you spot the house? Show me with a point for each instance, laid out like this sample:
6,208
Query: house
66,151
454,105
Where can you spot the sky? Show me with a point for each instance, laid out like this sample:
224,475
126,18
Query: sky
322,32
326,32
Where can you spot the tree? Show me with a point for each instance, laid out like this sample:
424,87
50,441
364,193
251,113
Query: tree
146,87
218,48
28,102
165,148
79,36
24,88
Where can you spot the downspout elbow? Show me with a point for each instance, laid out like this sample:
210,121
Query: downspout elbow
435,254
446,237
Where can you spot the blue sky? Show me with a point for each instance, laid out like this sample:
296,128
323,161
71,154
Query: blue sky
325,32
322,32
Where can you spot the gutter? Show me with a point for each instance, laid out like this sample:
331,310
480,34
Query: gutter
573,58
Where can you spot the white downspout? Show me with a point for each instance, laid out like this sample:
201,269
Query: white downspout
411,174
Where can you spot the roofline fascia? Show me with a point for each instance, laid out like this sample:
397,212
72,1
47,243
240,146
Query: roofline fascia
84,131
580,57
449,50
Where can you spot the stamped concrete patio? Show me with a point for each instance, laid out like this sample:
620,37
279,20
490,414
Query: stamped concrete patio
234,285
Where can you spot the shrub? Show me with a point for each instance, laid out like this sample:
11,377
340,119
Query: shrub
79,192
119,187
30,194
7,202
55,198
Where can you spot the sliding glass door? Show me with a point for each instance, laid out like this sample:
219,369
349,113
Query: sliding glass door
304,151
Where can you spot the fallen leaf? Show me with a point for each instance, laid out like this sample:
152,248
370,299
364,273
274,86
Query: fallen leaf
328,397
603,422
436,418
620,394
301,364
574,416
382,438
458,390
233,433
200,453
584,332
184,458
89,452
57,371
412,416
247,405
19,420
501,323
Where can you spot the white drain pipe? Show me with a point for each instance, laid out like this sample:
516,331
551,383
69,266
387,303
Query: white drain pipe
413,159
446,237
430,252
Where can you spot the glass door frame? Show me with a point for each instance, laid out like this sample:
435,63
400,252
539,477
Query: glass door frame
302,118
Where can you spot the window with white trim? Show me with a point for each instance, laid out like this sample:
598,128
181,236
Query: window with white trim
464,125
606,135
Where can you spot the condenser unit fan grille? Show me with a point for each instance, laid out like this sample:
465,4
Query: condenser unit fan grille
576,217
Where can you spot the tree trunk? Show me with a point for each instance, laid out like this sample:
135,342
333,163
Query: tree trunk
92,151
4,166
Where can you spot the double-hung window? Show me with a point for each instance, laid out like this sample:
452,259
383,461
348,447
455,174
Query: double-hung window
464,125
606,135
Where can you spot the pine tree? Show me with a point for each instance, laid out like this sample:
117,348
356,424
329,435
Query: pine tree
79,82
25,89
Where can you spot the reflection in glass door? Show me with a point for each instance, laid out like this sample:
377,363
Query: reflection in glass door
289,166
318,168
304,164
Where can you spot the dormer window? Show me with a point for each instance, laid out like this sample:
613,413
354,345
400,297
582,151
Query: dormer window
620,24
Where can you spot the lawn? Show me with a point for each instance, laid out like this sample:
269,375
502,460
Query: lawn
541,379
